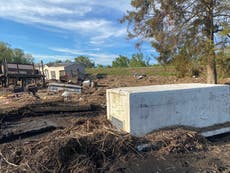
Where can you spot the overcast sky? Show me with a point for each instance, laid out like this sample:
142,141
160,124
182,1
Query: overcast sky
64,29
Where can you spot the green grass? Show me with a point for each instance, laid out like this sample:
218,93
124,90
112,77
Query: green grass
150,71
155,70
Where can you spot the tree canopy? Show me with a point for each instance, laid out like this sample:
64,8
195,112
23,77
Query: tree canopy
170,25
121,61
85,60
13,55
137,60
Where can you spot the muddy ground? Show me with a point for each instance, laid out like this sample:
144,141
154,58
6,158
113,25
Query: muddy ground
46,134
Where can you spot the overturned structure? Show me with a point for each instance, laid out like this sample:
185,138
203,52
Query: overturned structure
140,110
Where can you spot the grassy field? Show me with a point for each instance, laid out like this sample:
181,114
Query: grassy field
155,70
150,71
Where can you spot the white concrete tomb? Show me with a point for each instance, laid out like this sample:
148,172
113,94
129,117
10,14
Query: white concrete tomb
140,110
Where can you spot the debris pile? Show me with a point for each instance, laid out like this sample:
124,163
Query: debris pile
91,145
87,146
177,140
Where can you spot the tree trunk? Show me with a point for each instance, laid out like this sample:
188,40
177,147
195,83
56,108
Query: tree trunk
211,70
211,64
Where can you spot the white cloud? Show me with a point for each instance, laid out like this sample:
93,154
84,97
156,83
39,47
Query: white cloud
112,32
66,15
50,58
75,18
40,8
121,5
98,58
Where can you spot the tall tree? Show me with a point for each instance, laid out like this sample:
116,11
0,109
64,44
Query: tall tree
18,55
121,61
27,58
173,24
5,52
85,60
14,55
137,60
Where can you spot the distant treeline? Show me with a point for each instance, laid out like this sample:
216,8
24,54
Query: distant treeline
14,55
136,60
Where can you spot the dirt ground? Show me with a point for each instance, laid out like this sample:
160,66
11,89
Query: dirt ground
46,134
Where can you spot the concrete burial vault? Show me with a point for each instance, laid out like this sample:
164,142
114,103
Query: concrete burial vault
140,110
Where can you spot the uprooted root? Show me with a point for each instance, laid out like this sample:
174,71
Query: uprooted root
84,154
91,145
80,148
178,141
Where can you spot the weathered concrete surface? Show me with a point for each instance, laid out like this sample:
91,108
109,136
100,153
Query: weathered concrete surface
140,110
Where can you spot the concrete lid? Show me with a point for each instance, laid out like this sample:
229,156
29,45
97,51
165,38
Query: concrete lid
169,87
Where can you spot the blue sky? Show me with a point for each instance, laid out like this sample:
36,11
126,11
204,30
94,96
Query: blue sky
63,29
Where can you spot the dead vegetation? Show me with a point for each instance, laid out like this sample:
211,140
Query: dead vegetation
87,146
91,145
178,140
